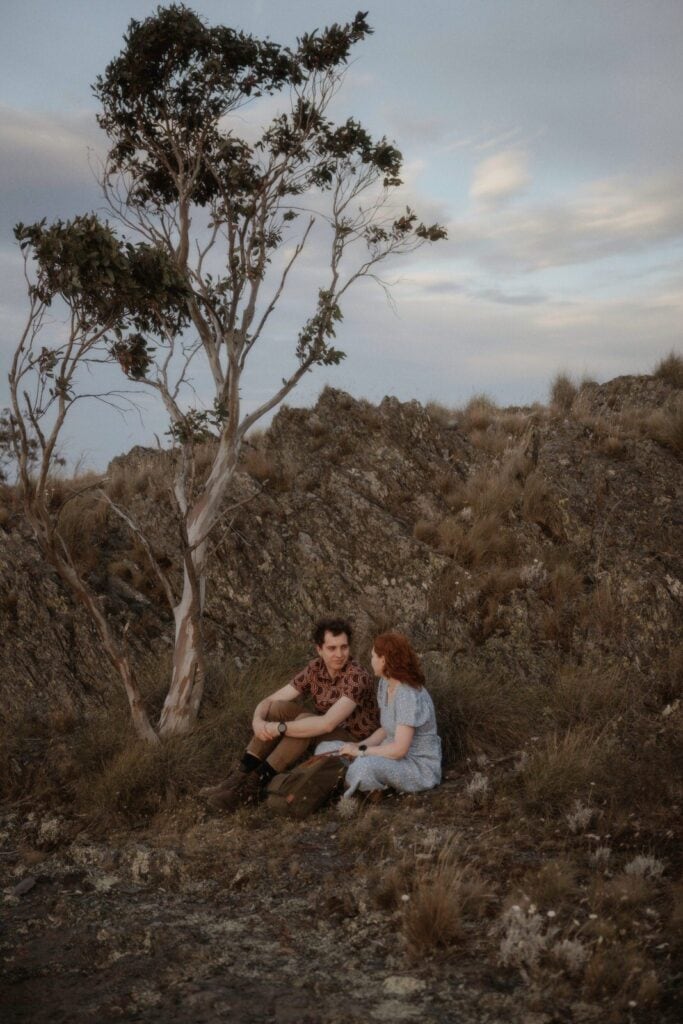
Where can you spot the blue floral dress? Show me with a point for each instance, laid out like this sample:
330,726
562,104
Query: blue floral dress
421,767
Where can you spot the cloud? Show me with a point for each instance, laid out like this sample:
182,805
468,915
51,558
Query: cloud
605,218
46,150
499,177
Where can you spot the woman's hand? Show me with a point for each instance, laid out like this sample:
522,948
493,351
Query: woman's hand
349,750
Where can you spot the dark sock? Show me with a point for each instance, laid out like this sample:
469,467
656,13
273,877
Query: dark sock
266,772
250,762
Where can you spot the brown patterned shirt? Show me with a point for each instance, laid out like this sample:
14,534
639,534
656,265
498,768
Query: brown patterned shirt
352,681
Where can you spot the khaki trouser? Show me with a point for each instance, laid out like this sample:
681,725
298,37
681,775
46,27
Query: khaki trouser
282,753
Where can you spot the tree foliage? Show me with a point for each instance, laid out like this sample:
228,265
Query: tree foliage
220,214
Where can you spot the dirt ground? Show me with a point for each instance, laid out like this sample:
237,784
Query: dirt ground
245,919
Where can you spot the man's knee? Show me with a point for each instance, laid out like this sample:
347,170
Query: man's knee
284,711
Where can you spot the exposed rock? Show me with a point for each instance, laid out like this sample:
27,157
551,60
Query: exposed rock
349,523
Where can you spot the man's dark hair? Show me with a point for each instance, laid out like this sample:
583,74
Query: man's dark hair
333,626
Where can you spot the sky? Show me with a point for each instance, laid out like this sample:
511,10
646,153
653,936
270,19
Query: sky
545,134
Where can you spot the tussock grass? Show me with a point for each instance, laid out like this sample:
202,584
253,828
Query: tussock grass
552,885
426,531
665,426
563,767
480,713
259,466
108,774
588,695
479,413
441,414
444,895
670,370
563,392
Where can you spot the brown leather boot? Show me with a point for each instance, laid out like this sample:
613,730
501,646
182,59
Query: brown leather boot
237,775
247,789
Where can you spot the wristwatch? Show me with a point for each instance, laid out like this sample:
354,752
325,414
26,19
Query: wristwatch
362,747
282,728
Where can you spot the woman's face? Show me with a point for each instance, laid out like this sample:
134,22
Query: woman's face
377,662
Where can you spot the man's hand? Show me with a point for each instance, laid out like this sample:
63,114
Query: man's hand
264,730
350,750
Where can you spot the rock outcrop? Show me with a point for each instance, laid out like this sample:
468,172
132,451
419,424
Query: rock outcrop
534,538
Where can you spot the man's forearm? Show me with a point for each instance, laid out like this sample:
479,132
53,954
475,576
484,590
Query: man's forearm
312,725
261,710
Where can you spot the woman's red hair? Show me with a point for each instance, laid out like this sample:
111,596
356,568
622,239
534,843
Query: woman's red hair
400,660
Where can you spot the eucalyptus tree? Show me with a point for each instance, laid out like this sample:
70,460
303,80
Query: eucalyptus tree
104,287
228,204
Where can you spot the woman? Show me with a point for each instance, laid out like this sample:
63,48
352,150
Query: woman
405,752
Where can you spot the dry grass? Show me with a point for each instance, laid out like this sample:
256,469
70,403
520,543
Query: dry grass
259,466
665,426
109,774
443,896
614,447
441,414
552,885
426,531
670,370
480,713
563,392
588,695
490,441
81,517
479,413
563,767
489,491
562,591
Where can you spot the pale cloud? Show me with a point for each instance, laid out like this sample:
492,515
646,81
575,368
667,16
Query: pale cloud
604,218
499,177
45,149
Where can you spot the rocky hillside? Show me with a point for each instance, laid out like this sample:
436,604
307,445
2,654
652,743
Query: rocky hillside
535,557
517,538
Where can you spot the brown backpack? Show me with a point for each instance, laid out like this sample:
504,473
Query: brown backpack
301,791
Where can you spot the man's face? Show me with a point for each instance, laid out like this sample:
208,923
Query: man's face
334,651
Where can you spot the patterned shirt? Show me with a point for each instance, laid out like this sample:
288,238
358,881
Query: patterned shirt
353,682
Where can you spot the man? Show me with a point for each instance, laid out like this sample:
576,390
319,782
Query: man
346,709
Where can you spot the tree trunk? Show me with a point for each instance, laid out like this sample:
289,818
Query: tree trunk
181,706
118,659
